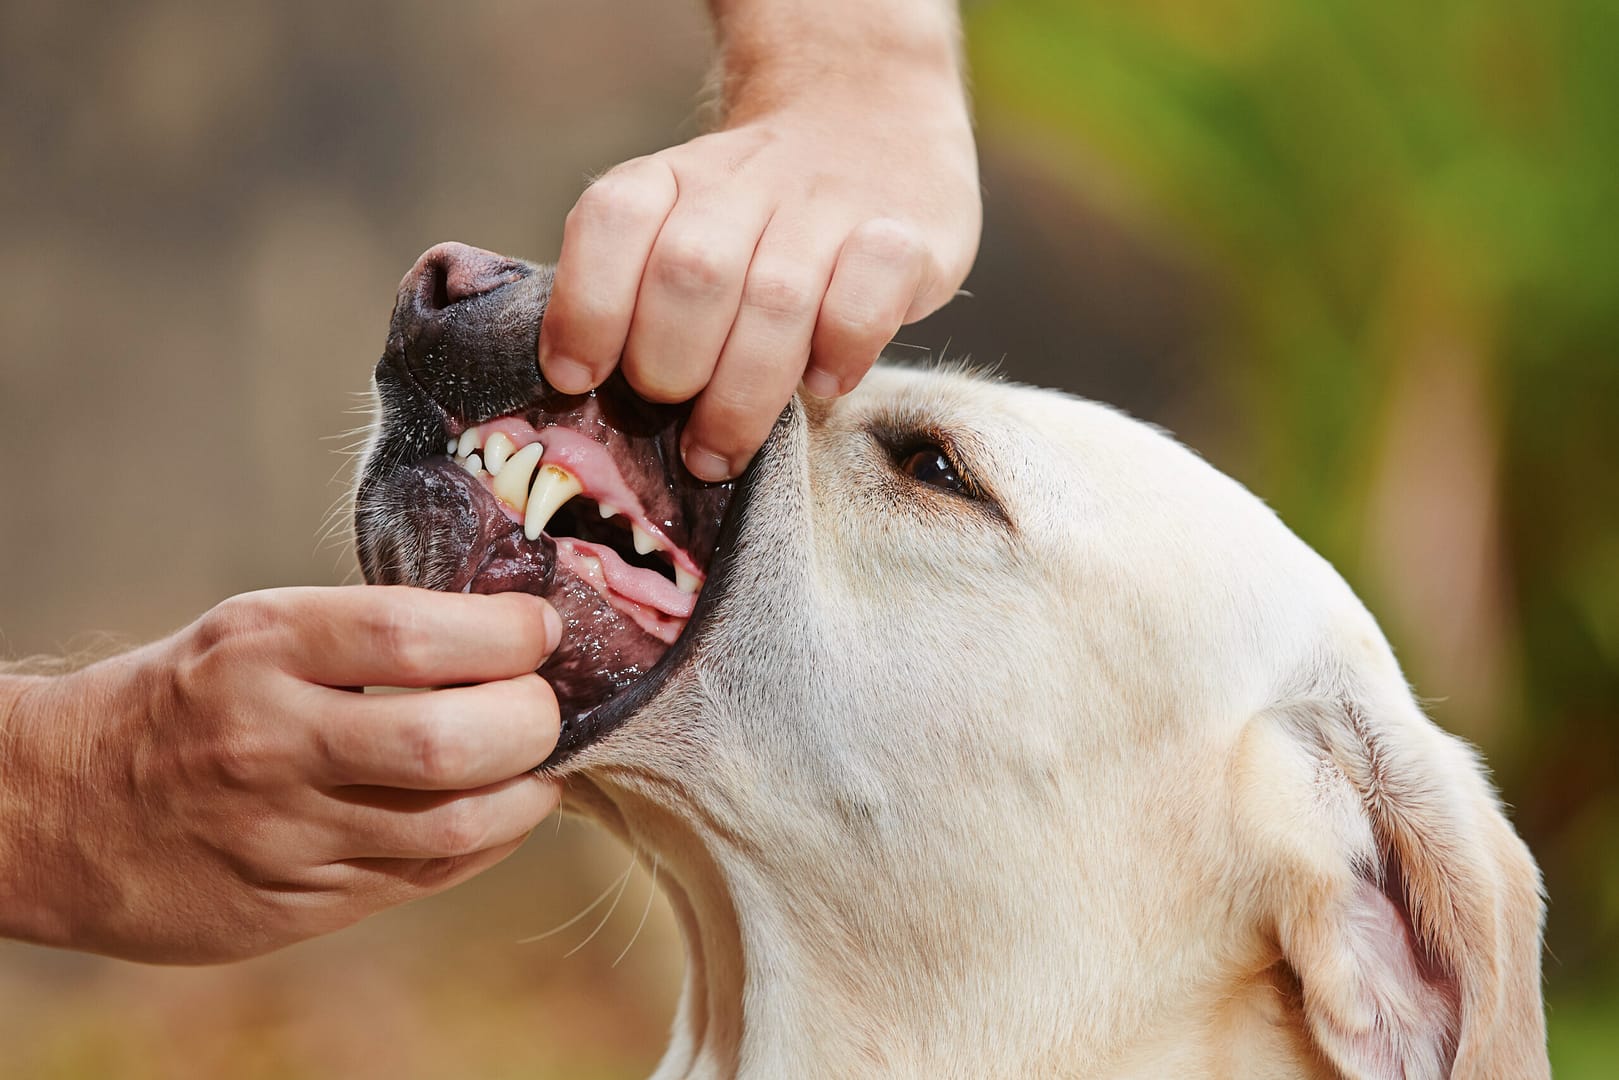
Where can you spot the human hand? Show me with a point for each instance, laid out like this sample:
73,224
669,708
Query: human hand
224,792
839,201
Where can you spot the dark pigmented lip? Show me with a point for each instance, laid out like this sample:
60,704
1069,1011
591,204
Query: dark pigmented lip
460,353
579,733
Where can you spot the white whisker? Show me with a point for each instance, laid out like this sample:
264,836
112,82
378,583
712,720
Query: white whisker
652,890
592,906
623,884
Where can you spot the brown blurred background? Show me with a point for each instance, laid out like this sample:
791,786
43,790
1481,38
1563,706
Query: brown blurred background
1360,256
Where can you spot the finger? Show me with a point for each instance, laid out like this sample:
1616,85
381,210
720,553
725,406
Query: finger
882,268
441,740
395,635
385,823
605,243
689,294
388,882
764,354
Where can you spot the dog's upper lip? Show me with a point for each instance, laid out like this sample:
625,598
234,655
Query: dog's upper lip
600,517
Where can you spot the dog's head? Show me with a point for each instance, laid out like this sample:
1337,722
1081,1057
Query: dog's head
994,702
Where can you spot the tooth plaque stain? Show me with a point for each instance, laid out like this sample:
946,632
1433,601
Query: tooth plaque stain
535,490
553,487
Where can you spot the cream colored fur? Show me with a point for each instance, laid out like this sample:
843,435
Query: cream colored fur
1118,786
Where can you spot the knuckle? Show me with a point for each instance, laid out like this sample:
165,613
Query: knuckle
623,196
406,645
434,874
460,830
887,240
437,757
780,294
242,616
689,267
857,323
244,760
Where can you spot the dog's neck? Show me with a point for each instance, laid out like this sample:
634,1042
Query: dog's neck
911,977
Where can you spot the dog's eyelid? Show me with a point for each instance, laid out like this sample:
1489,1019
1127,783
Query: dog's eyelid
900,442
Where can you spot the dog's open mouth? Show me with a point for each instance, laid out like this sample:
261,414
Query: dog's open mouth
484,479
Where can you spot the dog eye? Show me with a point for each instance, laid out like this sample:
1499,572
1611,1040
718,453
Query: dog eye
930,465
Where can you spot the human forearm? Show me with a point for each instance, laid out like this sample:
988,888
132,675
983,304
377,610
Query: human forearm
220,793
22,916
773,51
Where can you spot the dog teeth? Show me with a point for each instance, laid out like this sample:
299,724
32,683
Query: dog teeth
496,451
645,542
511,486
553,487
536,490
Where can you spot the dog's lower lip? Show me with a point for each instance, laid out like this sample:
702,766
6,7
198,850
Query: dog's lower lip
622,539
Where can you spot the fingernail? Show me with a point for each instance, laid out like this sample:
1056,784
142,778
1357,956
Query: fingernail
553,626
707,465
569,376
822,383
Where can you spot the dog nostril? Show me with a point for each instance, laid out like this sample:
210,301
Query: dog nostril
434,289
447,274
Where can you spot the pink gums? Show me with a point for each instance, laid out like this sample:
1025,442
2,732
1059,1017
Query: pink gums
591,463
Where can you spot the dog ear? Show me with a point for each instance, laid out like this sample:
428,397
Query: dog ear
1396,889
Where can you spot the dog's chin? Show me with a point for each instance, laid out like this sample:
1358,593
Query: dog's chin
581,500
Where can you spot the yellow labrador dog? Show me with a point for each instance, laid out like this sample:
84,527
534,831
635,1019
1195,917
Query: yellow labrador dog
980,731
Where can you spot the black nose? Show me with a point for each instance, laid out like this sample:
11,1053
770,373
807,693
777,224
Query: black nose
447,274
465,328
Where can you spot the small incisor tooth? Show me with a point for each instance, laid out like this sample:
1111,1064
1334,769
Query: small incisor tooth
496,450
468,442
644,541
553,487
687,581
511,486
606,510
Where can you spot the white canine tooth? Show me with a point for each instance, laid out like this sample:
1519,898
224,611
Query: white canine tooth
553,487
468,442
495,452
644,541
606,510
472,463
511,486
688,582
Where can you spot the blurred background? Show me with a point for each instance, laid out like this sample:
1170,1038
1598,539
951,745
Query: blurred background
1364,256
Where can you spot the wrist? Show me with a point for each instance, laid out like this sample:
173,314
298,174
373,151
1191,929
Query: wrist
57,766
899,53
26,911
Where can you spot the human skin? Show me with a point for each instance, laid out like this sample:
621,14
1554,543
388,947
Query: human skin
225,791
837,201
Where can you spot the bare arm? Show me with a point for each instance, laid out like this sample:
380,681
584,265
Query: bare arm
837,201
222,792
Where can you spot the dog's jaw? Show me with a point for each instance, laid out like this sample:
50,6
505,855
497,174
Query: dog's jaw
831,931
